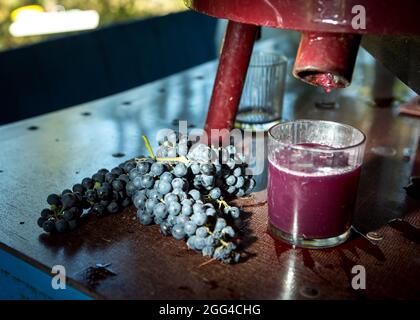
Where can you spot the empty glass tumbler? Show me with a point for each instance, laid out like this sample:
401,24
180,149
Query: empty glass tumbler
262,96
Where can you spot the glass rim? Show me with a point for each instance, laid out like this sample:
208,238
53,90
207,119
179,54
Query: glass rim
358,144
282,59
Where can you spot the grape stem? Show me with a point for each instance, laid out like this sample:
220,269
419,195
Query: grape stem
176,159
149,147
222,202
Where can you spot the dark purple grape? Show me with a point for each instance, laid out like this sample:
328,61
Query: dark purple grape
46,213
78,188
87,183
69,200
118,171
54,200
49,226
65,191
113,207
118,185
98,177
41,221
109,177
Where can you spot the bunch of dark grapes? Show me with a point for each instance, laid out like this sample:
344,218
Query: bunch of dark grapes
184,190
104,193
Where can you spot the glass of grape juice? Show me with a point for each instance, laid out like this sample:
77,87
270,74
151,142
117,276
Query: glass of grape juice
313,175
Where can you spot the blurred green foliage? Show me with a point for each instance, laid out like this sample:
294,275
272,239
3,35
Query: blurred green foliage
110,11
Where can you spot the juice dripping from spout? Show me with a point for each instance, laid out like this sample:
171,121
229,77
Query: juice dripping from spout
325,80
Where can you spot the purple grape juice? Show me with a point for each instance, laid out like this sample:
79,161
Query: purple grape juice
312,194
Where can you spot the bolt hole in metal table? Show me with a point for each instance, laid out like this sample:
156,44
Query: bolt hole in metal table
70,144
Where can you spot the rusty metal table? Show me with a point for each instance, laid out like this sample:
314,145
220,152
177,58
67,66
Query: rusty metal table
48,153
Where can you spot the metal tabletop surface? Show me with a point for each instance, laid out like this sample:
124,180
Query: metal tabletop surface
51,152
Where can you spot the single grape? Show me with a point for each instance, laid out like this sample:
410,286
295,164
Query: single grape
46,213
166,176
178,231
170,197
201,232
69,200
186,209
165,228
41,221
171,220
126,202
198,207
157,169
210,240
181,219
179,183
150,204
113,207
230,180
117,170
118,185
147,181
231,190
133,174
91,195
164,187
195,168
190,227
199,243
153,194
49,225
207,181
237,172
228,231
239,182
99,209
195,194
103,171
54,200
208,251
139,201
240,193
234,212
78,188
174,208
160,210
191,242
207,169
220,224
109,177
87,183
137,182
180,170
215,193
104,192
129,165
143,167
98,177
211,212
199,218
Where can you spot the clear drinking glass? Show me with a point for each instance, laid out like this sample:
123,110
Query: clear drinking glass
313,176
262,96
